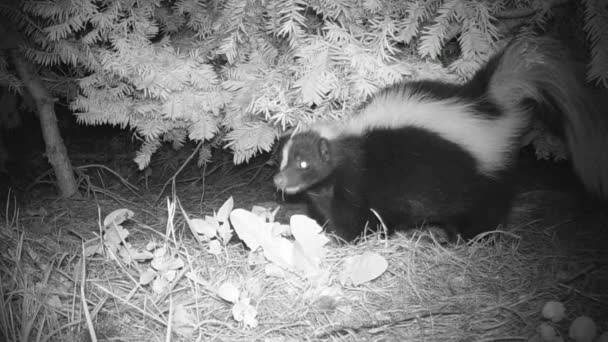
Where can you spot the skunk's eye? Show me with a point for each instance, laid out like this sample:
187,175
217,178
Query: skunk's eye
303,164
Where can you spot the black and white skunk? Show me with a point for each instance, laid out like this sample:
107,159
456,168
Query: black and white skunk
429,152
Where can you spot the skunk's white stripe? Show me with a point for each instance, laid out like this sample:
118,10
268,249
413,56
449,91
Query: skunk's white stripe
285,155
489,140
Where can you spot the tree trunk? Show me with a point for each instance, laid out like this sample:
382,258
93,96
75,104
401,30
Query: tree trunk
56,152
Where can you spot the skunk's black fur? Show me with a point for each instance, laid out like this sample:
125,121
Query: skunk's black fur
407,188
429,152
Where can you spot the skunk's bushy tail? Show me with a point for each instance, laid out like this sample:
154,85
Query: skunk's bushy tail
543,77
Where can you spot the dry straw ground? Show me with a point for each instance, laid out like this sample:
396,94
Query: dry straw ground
491,289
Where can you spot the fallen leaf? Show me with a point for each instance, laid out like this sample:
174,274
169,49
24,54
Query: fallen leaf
170,275
125,254
203,227
248,227
309,236
224,232
303,263
280,251
92,250
244,312
302,257
183,320
161,252
228,292
147,276
115,235
224,212
160,285
215,247
362,268
141,255
117,217
163,264
152,245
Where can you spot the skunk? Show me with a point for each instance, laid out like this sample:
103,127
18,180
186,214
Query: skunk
430,152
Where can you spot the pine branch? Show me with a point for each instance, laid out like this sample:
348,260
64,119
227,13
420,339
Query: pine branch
433,37
415,13
596,16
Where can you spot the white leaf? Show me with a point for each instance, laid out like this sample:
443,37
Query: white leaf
247,226
161,252
141,255
159,285
554,311
152,245
583,329
166,263
183,320
363,268
170,275
225,210
124,254
176,263
215,247
204,227
244,312
309,235
228,292
213,220
92,250
117,217
282,252
255,232
224,232
115,235
308,247
147,276
304,263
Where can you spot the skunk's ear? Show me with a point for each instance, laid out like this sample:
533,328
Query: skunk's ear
324,150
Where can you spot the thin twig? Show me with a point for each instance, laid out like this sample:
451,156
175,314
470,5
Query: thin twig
334,329
172,179
85,307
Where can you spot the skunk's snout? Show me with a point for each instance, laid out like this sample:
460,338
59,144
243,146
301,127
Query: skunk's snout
280,181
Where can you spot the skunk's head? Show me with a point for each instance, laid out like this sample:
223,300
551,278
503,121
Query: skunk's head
305,160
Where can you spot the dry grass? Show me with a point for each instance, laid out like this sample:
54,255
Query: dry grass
491,289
